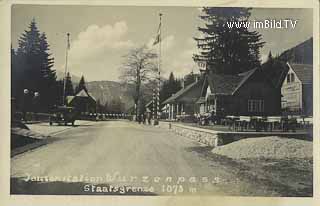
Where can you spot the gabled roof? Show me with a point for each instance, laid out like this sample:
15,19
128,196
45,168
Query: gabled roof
182,91
222,84
69,99
81,93
201,100
303,71
149,103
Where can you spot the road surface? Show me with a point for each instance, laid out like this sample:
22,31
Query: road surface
122,157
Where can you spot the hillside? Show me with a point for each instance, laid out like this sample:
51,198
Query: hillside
109,91
104,91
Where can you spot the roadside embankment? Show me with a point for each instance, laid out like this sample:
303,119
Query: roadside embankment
215,138
25,137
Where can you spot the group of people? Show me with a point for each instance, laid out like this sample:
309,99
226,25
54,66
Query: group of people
145,118
212,116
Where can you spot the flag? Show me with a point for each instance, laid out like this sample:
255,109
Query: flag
157,39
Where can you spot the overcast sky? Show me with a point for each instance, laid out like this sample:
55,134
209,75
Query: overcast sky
100,36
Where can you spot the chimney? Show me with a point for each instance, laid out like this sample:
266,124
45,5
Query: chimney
182,83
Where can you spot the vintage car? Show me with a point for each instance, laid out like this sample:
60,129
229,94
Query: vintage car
63,115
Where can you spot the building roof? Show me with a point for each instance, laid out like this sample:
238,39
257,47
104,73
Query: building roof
149,103
227,84
303,71
182,91
81,93
201,100
69,99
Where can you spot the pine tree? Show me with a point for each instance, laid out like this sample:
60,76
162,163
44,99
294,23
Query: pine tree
69,91
269,57
28,56
14,75
81,85
227,50
46,60
49,77
169,87
32,65
59,92
189,79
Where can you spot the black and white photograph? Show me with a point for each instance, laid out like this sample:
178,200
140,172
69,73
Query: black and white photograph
161,101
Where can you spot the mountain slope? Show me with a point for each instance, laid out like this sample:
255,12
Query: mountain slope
110,91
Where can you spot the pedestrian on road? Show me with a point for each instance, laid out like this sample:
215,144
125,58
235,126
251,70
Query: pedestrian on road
144,119
149,118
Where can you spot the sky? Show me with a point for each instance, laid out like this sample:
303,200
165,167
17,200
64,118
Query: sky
102,35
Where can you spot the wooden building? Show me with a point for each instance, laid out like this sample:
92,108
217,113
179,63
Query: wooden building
296,90
82,101
246,94
184,101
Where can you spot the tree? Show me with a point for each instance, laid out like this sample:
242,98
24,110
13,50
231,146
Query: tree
189,79
169,87
81,85
99,107
69,86
59,92
15,77
226,48
270,61
116,105
275,70
138,68
32,67
48,76
106,107
269,56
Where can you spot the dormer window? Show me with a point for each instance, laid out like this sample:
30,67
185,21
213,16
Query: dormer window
290,77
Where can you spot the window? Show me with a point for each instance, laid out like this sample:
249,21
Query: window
292,77
255,105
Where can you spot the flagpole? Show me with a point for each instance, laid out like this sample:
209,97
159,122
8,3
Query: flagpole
65,71
159,69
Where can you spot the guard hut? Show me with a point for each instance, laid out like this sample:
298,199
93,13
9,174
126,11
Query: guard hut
82,102
184,101
246,94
